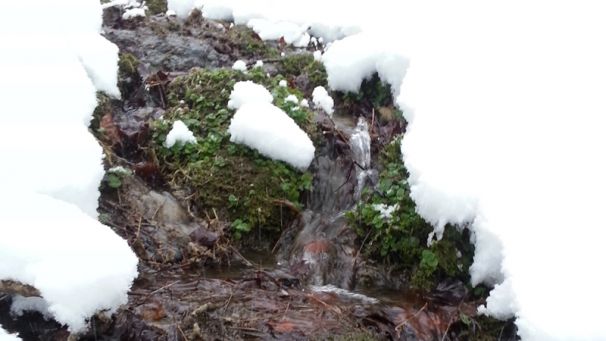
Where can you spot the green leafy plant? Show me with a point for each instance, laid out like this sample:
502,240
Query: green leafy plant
401,238
236,182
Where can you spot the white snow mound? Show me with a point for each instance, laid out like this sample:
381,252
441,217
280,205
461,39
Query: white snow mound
179,134
79,265
268,129
52,63
322,99
247,92
4,336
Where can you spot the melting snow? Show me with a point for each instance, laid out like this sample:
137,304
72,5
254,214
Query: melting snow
322,99
179,134
248,92
239,65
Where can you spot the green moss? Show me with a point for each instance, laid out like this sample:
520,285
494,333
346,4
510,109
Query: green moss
373,93
156,6
249,43
304,64
128,74
401,239
238,183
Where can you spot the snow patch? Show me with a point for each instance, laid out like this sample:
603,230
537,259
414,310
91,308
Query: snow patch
20,305
248,92
268,129
5,336
322,99
52,63
355,58
386,211
134,12
292,99
179,134
239,65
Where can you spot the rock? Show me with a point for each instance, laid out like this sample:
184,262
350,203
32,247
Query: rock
204,237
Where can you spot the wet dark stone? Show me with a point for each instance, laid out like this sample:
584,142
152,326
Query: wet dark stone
204,237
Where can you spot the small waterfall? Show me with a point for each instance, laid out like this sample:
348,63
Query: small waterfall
360,149
321,247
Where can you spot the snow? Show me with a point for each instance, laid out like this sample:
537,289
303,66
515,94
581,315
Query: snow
239,65
283,83
272,20
4,336
259,63
322,99
304,103
20,305
268,129
292,98
386,211
247,92
351,60
100,58
274,30
52,63
179,134
171,13
303,40
181,7
318,56
133,13
522,114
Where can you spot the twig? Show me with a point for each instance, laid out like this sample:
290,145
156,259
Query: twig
155,291
138,229
229,300
399,326
181,331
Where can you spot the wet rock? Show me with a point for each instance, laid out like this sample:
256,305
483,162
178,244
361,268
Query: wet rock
204,237
160,43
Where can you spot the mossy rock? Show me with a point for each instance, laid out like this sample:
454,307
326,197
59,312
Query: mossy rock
304,65
223,178
156,6
249,44
129,78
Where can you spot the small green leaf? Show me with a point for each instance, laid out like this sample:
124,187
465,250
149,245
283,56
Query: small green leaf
114,181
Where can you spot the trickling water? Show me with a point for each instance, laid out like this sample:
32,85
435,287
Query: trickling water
360,149
320,246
